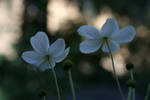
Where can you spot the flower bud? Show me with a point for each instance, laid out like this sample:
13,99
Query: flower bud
42,93
67,64
129,66
131,83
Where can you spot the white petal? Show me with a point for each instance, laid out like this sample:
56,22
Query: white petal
125,35
89,32
33,57
47,65
110,27
40,42
57,47
62,56
114,46
52,63
89,46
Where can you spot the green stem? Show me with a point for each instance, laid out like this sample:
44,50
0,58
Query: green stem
44,98
129,93
147,93
131,73
57,87
133,89
133,93
116,77
71,84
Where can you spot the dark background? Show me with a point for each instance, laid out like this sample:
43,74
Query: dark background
22,81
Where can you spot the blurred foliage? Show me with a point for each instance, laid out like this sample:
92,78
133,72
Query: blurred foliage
21,81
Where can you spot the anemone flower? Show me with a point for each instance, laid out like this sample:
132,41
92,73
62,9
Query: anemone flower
45,56
108,35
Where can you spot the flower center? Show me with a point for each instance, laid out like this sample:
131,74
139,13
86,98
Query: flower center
106,39
48,57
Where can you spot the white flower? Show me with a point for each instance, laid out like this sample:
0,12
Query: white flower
109,32
45,56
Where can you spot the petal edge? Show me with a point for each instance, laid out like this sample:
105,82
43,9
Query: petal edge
40,42
88,31
90,46
125,35
62,56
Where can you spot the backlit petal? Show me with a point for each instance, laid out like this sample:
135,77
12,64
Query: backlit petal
89,46
47,64
32,57
62,56
40,42
57,47
110,27
44,66
125,35
114,46
52,63
89,32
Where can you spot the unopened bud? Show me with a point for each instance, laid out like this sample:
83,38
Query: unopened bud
129,66
42,93
67,65
131,83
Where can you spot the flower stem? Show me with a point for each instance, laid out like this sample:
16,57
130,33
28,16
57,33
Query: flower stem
44,98
116,77
71,84
147,93
133,89
129,93
57,87
133,93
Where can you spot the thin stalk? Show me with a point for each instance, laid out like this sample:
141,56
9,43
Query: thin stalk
131,73
129,93
133,89
57,87
44,98
71,84
147,93
116,77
